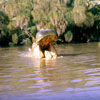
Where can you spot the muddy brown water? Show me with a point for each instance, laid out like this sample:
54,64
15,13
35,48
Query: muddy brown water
74,75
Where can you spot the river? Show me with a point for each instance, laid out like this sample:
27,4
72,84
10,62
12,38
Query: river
74,75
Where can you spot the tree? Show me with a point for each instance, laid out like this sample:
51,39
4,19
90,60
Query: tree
74,20
50,13
19,14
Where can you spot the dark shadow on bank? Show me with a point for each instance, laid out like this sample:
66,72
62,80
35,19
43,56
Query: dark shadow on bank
70,54
77,54
4,35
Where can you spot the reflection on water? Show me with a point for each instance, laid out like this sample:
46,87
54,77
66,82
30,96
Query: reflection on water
74,75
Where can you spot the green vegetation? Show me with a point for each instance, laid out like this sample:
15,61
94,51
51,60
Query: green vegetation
74,20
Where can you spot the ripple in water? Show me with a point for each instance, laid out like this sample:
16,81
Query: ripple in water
74,75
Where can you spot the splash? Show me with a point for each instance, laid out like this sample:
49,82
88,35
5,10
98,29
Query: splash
30,54
27,53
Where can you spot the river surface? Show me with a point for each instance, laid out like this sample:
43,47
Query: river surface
74,75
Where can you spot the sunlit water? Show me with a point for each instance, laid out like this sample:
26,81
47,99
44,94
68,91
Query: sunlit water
74,75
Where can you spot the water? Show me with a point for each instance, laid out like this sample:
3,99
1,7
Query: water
74,75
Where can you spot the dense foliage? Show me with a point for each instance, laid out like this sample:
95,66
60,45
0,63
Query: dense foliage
74,20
